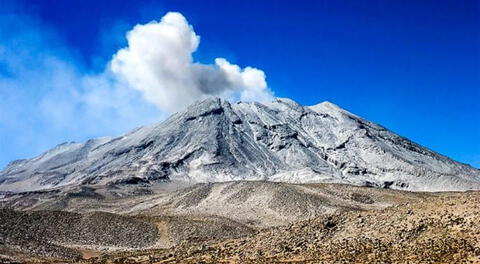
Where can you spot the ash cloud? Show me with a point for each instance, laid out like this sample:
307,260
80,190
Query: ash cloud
158,62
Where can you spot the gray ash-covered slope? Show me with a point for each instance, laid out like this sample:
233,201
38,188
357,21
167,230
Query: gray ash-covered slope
215,140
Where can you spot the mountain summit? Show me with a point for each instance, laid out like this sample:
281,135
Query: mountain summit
215,140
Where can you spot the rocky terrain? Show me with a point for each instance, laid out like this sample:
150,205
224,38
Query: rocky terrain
54,234
439,229
255,204
268,223
215,141
242,183
64,224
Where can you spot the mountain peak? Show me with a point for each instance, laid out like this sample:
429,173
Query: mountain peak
214,140
205,107
208,102
329,104
326,106
287,101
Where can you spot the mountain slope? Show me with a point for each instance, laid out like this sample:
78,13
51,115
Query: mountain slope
440,229
65,223
215,140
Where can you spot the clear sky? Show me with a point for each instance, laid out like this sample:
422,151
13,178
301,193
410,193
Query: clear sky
411,66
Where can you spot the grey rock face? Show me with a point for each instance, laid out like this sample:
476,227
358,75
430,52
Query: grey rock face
214,141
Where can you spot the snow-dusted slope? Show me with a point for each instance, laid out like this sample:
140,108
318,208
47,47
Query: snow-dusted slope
215,140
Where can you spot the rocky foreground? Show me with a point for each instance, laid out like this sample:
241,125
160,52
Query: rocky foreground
442,229
362,225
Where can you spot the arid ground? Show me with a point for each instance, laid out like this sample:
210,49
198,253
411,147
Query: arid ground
240,222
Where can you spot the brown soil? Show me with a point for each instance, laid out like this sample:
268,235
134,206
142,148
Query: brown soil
320,223
440,229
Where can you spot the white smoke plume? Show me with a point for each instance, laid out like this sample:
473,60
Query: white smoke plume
48,96
158,62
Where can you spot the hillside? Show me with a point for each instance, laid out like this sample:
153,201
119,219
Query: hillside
215,141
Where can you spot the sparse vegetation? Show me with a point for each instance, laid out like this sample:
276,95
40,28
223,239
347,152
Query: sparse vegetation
309,223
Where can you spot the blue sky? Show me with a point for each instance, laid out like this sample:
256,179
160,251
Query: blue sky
412,66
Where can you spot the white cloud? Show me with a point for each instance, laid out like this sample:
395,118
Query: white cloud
158,62
47,96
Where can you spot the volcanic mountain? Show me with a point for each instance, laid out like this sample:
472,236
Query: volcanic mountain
216,141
